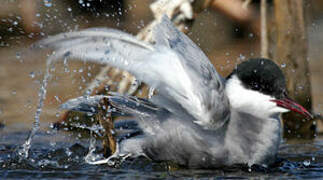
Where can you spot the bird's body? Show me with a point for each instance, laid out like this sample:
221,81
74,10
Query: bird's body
197,119
250,136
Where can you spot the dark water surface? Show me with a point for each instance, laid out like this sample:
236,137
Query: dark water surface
57,154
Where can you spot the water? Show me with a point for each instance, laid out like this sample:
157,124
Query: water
58,154
24,150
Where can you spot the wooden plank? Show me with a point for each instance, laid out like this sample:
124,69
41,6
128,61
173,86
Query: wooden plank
291,53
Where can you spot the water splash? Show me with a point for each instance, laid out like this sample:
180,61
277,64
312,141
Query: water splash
151,92
24,150
91,156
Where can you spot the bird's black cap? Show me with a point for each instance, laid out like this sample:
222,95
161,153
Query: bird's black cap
262,75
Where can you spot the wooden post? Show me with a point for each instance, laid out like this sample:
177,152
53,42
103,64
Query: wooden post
109,142
263,33
291,54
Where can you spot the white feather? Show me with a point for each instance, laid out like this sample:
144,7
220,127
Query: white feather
258,139
174,66
249,101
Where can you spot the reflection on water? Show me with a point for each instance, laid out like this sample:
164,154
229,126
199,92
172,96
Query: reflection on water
61,155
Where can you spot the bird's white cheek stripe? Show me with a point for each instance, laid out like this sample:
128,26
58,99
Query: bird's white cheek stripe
250,101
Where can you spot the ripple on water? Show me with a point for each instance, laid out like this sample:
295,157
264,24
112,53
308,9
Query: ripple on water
64,158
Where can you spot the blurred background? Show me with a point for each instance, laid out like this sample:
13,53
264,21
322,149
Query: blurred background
227,35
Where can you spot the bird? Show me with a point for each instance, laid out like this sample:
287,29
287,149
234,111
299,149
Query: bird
196,118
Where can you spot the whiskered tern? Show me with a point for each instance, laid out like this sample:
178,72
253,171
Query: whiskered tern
197,118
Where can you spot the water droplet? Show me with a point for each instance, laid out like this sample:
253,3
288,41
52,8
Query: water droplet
18,55
242,57
57,99
289,131
68,152
307,163
48,3
300,87
52,143
32,75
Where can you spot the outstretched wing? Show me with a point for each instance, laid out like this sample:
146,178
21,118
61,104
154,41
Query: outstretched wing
121,105
99,45
186,81
204,81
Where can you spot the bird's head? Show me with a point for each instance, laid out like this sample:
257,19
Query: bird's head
258,86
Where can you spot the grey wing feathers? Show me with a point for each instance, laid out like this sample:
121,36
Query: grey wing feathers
209,85
97,45
61,40
120,104
136,106
87,104
174,66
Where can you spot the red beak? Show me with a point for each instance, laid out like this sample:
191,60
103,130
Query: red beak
291,105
